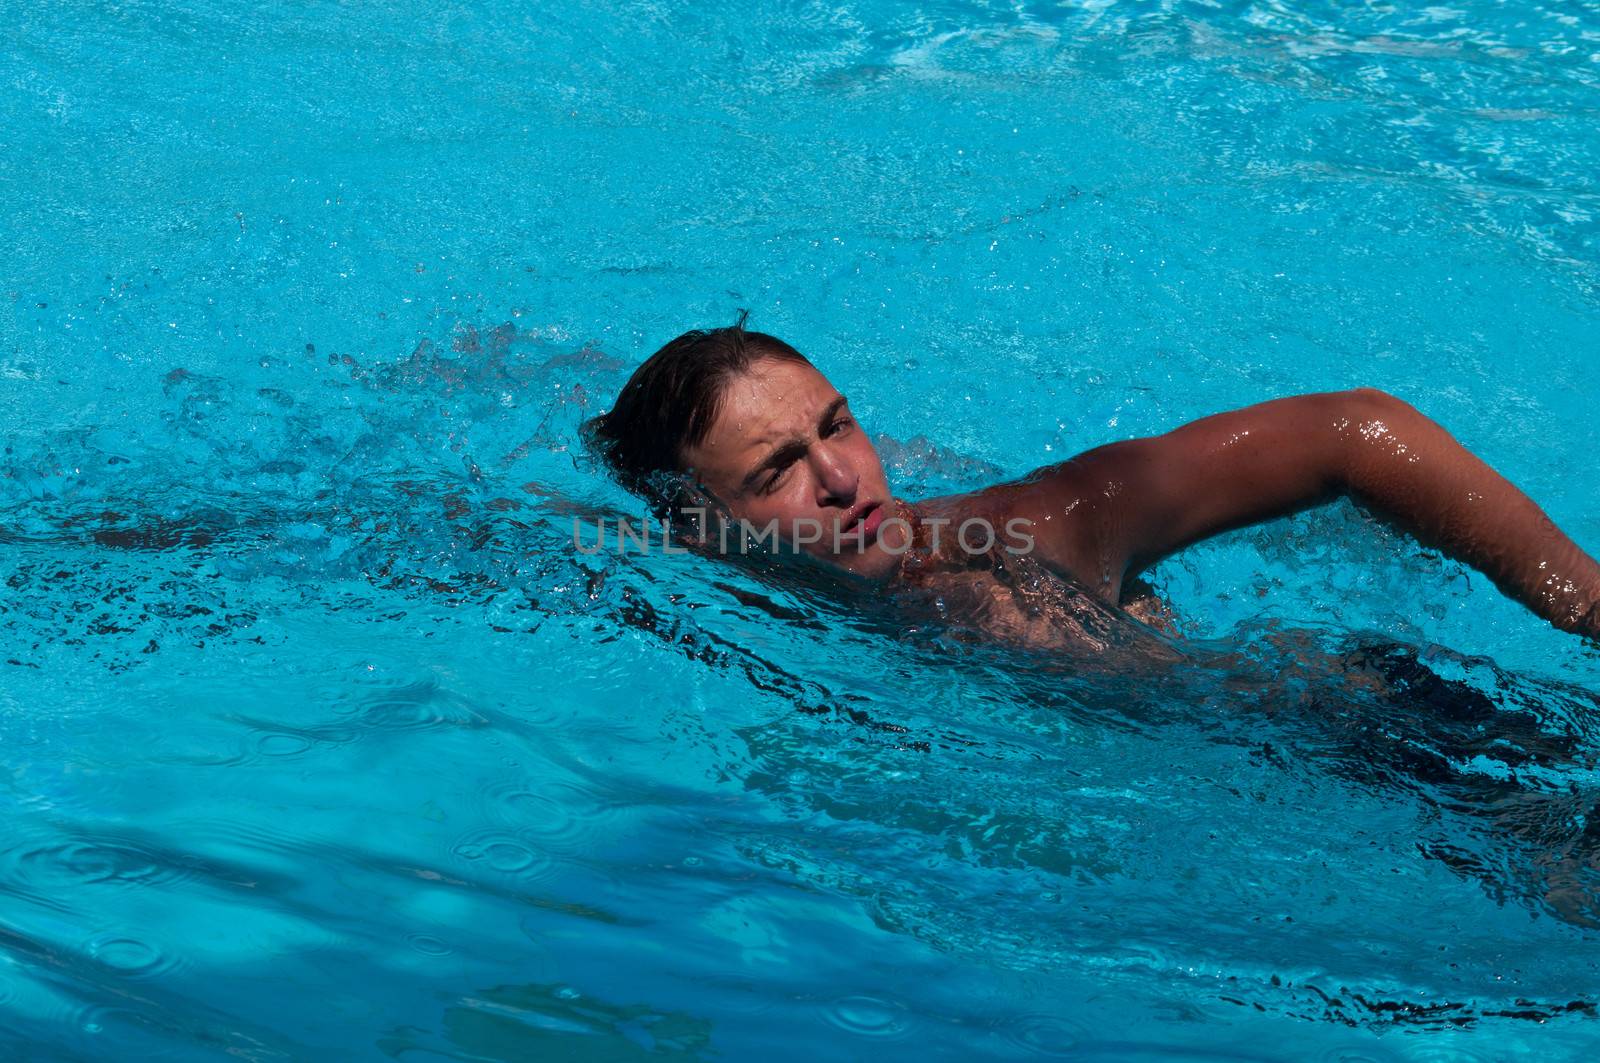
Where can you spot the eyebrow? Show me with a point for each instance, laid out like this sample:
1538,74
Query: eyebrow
793,449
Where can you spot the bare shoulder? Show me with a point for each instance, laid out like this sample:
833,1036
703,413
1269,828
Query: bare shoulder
1049,514
1065,504
1114,510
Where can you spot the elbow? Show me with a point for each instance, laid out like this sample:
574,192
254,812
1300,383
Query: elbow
1368,425
1367,403
1375,414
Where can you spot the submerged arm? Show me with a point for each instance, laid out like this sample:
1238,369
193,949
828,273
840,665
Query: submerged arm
1149,497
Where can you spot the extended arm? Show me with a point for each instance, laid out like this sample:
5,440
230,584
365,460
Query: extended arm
1145,498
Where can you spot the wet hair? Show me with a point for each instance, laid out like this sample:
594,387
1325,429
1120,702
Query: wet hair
671,401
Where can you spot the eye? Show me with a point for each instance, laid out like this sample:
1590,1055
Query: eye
772,482
839,426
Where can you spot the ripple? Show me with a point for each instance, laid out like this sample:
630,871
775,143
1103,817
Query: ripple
429,945
95,1020
265,739
1446,1053
502,852
1361,1054
561,816
1045,1035
869,1017
266,859
81,863
130,957
282,745
418,706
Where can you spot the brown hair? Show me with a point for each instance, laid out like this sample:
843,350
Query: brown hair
671,401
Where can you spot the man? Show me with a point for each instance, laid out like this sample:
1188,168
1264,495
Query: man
745,420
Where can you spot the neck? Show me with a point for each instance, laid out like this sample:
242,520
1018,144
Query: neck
887,561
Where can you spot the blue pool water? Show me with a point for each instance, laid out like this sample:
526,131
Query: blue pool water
320,742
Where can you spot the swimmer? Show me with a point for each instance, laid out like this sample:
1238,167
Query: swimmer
740,425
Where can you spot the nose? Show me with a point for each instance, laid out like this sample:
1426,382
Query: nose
836,479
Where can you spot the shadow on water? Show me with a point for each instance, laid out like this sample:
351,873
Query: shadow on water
919,766
1499,770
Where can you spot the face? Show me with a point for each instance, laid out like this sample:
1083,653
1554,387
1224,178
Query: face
785,448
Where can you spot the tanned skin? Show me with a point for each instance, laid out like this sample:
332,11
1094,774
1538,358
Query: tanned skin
1140,500
785,447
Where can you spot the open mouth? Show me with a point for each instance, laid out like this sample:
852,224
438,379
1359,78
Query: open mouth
864,524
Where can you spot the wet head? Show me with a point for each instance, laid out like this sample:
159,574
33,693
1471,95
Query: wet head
744,418
785,451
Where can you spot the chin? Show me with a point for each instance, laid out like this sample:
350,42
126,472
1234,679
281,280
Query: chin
870,564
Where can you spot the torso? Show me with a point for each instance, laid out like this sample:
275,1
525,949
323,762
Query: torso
1022,598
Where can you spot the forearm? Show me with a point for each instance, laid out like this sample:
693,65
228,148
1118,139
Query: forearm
1412,472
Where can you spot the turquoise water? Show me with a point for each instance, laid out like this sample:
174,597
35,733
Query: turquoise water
321,742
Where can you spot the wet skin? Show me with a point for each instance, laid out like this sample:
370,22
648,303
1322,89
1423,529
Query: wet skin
784,447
